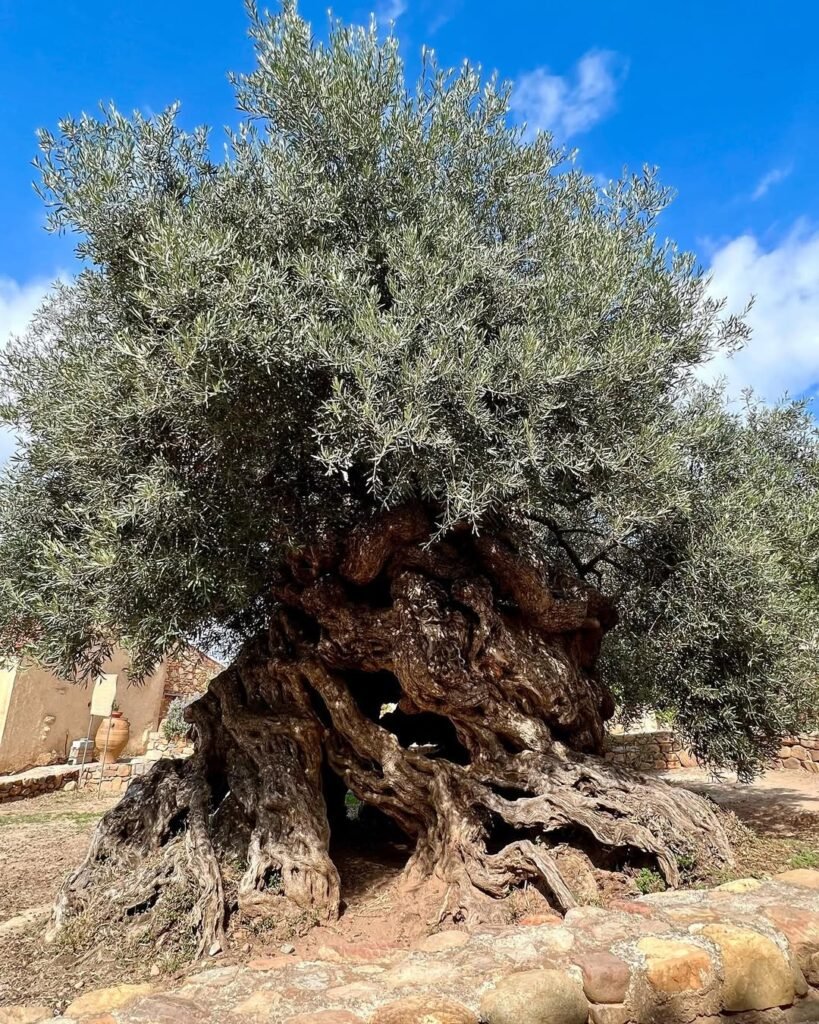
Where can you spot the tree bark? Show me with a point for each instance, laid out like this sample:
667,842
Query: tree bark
452,685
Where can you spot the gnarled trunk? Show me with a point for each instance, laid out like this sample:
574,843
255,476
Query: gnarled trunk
451,685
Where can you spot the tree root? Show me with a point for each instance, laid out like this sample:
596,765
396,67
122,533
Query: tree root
451,686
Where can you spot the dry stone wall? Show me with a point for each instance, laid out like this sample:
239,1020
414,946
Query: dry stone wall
799,753
35,782
744,953
188,675
661,750
117,777
664,751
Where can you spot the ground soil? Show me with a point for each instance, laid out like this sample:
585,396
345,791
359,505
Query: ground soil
41,838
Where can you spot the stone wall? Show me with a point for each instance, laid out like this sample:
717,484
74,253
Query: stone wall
188,675
117,777
799,753
663,751
159,746
36,782
744,953
648,750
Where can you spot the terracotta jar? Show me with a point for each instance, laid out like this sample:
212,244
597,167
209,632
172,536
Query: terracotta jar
120,730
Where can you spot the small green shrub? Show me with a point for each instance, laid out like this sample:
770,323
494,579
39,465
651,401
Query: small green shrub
805,859
647,880
174,726
686,862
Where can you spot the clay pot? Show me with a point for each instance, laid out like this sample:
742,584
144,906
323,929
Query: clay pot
117,737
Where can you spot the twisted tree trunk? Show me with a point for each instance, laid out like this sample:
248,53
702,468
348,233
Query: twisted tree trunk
451,685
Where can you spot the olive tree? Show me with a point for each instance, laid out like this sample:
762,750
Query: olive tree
404,410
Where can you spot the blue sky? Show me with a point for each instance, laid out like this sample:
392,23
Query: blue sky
724,98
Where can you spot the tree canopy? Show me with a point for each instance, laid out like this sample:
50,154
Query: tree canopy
382,293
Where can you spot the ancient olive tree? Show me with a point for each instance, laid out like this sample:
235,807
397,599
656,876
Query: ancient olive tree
400,407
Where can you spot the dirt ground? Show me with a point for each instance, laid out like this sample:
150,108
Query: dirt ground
42,838
782,803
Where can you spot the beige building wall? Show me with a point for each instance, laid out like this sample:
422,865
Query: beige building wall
8,672
45,713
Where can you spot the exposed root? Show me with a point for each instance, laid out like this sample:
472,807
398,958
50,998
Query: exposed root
453,687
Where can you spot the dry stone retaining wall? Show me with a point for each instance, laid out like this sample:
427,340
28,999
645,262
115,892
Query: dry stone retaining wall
117,777
745,953
648,750
35,782
663,750
799,753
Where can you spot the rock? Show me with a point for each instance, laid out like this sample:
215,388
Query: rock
740,885
269,963
328,953
535,997
287,949
812,971
800,928
154,971
167,1009
325,1017
101,1000
354,990
605,977
215,976
366,952
757,975
417,973
423,1010
800,982
611,1014
28,1014
631,907
442,941
246,948
806,877
259,1004
556,940
539,919
692,915
70,786
674,967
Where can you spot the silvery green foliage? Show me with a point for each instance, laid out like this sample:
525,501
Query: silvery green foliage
174,726
374,294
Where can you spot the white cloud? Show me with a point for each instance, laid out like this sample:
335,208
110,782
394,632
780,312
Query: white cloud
18,303
387,11
767,181
783,352
568,105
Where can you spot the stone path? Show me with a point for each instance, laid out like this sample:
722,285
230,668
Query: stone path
746,952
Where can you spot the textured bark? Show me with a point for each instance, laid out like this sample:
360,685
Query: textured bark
451,685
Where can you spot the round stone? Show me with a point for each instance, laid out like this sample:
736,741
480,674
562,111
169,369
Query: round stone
423,1010
442,941
674,967
757,975
805,877
535,997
